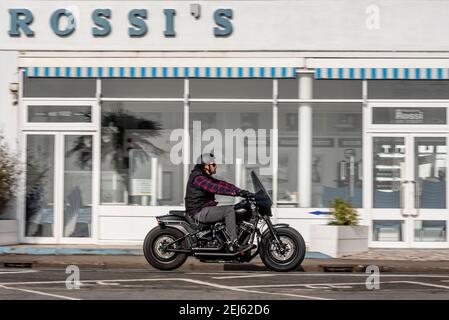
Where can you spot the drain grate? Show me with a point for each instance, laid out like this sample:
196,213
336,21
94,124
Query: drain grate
17,265
337,268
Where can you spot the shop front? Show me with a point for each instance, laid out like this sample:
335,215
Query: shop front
113,112
106,155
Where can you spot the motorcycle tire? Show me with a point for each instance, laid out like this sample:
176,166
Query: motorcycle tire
295,250
155,256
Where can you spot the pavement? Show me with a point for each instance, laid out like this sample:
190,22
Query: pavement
131,257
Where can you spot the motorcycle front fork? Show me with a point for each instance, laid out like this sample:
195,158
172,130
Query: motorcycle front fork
277,241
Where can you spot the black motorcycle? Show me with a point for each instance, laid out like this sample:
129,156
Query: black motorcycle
177,236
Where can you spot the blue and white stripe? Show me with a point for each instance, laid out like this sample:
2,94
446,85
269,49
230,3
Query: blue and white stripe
161,72
383,73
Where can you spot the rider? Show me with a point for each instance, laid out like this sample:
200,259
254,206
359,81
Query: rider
200,197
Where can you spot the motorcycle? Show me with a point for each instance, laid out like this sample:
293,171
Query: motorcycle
177,236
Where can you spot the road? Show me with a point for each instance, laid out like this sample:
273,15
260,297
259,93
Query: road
155,285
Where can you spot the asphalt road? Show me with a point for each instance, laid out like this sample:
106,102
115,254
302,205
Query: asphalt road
155,285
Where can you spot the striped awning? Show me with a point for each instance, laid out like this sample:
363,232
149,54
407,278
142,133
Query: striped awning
161,72
383,73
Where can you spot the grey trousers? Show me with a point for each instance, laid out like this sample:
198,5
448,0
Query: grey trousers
219,213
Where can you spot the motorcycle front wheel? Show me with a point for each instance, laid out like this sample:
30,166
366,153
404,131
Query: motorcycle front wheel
153,250
286,258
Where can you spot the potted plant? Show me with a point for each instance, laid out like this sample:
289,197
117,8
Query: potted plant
9,173
341,236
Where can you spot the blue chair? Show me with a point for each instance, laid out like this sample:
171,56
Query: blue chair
433,194
330,193
384,199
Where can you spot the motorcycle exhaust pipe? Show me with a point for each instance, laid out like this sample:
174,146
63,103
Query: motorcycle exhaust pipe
207,249
224,254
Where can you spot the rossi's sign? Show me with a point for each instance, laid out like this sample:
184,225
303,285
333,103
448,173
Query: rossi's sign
64,22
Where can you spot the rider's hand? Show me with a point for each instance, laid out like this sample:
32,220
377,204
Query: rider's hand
245,194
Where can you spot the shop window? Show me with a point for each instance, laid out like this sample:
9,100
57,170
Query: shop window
46,114
288,155
337,89
407,115
288,88
337,154
39,207
430,230
239,136
137,167
388,230
430,172
58,88
408,89
388,165
143,88
232,88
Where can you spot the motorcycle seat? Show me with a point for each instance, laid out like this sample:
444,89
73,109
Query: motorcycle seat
178,213
190,220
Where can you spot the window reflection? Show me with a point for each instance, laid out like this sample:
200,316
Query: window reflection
40,185
135,154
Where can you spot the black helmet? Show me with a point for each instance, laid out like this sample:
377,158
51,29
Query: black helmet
205,158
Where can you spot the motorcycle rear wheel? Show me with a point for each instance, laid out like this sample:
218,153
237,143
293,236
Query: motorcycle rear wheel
291,258
158,258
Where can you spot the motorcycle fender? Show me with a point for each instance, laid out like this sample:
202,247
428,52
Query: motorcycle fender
180,228
275,226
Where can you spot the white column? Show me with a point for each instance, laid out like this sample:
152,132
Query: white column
305,141
154,177
274,146
186,145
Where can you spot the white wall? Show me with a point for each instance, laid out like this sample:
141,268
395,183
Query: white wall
8,112
374,25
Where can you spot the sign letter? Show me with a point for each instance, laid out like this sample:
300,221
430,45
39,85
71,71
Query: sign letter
100,18
222,18
54,22
136,19
17,23
170,22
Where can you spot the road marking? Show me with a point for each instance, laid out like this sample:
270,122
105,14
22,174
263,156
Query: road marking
337,285
173,279
6,271
309,285
327,274
40,293
212,273
107,284
246,276
428,284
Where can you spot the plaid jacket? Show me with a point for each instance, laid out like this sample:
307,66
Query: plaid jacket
214,186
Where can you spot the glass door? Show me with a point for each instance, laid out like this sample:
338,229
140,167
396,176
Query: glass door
58,202
409,191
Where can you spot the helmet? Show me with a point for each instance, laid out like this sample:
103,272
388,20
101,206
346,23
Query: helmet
206,158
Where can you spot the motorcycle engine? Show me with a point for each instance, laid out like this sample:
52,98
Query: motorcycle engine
207,240
244,232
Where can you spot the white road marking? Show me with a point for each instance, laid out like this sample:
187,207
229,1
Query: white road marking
363,275
14,271
428,284
246,276
224,272
175,279
40,293
107,284
337,285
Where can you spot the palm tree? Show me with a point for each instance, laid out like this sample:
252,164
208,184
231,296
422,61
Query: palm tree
114,125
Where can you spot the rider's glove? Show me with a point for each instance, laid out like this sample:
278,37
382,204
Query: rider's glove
245,194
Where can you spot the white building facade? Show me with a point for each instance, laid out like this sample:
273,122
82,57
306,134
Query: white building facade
109,103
